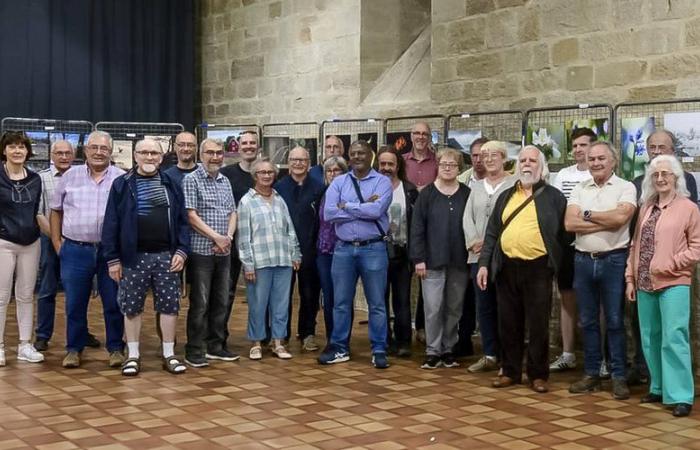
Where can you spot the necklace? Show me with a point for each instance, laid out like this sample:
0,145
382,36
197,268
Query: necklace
264,195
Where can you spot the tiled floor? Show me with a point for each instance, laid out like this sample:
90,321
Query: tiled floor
298,404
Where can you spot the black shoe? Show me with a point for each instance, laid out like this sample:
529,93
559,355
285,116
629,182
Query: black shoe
91,341
619,389
682,410
222,355
392,349
651,398
41,345
431,362
196,361
404,351
448,360
585,385
636,378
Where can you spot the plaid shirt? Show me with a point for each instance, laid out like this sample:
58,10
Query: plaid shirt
48,186
266,236
83,202
212,199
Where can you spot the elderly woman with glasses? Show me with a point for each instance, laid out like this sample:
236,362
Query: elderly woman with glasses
438,250
20,195
664,250
332,167
269,250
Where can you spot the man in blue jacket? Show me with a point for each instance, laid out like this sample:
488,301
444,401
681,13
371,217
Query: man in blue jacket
145,239
302,194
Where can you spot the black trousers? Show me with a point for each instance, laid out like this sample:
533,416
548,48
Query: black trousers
309,299
467,324
233,280
399,289
524,292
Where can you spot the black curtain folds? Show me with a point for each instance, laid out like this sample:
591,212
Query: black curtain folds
98,60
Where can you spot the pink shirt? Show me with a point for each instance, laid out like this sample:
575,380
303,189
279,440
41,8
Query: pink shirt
83,202
423,172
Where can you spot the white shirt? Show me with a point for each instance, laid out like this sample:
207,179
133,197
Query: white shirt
397,216
568,177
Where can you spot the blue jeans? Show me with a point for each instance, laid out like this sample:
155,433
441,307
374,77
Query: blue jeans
487,314
600,283
270,292
49,275
369,262
324,263
79,264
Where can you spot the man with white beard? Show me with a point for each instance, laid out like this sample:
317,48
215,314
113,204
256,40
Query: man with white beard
523,248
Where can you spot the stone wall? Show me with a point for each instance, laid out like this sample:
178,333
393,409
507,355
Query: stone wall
295,60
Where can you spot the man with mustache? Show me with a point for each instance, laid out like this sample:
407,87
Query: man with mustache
399,273
146,240
211,210
599,211
523,248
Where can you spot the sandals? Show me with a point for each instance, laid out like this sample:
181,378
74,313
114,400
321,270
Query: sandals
255,353
131,367
173,365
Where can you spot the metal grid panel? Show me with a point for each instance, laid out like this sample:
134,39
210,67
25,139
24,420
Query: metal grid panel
657,111
353,129
564,116
405,124
304,134
499,125
125,135
42,132
229,134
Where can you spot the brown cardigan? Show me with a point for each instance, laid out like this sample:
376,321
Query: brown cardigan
676,244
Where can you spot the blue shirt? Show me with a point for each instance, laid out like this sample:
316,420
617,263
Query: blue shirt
356,221
317,173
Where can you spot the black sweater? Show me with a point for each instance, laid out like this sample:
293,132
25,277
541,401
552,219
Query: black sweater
19,205
437,237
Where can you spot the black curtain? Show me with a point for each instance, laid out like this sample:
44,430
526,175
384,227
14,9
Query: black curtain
98,60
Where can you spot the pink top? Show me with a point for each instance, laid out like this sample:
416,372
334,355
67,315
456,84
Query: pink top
676,245
83,202
423,172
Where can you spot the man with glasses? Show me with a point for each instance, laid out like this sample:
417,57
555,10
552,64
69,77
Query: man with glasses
332,146
62,156
211,210
302,194
77,214
146,240
185,149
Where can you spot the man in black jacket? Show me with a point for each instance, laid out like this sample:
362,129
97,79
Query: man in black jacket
399,273
523,247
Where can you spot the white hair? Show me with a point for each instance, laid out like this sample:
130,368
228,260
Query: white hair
649,190
102,134
541,160
218,142
145,141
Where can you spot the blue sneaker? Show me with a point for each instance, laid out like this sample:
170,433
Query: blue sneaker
380,361
331,356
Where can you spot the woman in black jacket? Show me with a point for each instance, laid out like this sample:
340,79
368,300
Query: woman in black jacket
439,253
20,195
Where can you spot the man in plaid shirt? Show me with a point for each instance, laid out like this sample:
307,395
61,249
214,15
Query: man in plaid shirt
211,210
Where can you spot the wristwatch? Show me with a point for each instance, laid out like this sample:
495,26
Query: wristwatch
587,215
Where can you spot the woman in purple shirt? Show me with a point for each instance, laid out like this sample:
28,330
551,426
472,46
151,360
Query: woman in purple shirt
332,167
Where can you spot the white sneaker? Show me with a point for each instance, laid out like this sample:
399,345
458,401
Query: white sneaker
3,361
27,352
562,363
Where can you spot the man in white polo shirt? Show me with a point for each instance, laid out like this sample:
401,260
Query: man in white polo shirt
599,211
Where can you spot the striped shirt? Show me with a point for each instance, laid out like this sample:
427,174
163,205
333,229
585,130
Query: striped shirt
48,186
150,194
568,177
83,202
212,199
266,236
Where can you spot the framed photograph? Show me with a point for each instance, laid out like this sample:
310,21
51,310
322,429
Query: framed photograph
401,141
550,139
276,148
633,145
41,145
462,139
371,138
229,136
686,127
123,154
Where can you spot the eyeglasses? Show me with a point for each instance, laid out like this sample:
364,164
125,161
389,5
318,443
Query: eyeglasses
298,160
148,154
448,165
420,133
662,174
99,148
186,144
212,153
334,170
63,154
265,172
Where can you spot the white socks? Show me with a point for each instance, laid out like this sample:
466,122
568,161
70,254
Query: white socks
168,349
133,349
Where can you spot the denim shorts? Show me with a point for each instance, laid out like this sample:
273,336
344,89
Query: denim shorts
151,271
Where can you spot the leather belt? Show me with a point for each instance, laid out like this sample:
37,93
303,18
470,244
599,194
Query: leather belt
363,243
600,255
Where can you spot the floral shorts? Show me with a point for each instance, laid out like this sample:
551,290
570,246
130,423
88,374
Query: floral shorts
151,271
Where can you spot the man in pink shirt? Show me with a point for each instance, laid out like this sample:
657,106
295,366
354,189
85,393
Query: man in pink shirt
421,165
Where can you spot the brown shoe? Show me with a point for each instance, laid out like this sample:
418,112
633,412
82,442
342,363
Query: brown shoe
503,381
539,386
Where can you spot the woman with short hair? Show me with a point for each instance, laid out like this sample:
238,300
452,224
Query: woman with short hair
269,250
660,266
20,195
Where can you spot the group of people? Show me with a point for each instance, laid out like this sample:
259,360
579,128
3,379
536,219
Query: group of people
481,239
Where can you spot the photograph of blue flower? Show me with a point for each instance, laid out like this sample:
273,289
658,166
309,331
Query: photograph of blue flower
633,145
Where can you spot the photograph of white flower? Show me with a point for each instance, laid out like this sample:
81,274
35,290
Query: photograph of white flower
550,139
633,145
686,127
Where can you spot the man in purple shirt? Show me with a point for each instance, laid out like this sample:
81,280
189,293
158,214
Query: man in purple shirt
361,222
77,213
